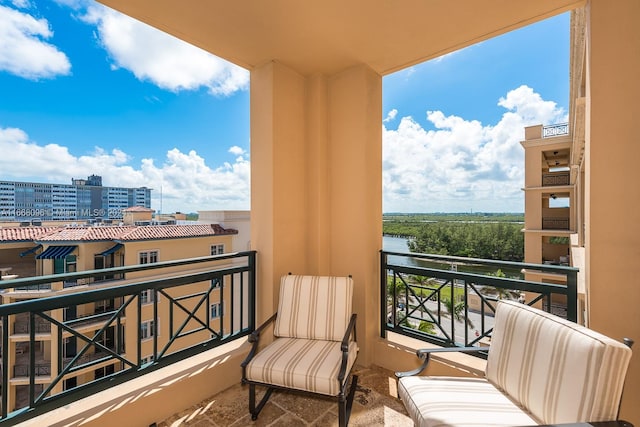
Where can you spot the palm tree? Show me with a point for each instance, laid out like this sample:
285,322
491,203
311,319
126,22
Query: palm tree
456,310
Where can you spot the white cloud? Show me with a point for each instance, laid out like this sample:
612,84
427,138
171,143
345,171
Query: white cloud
238,151
162,59
391,115
185,181
458,165
462,164
22,4
23,49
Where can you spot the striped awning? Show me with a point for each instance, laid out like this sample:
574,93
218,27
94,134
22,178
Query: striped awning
112,249
30,251
55,252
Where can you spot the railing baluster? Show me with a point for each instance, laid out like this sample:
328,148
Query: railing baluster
221,314
32,359
5,364
232,314
383,294
240,303
156,329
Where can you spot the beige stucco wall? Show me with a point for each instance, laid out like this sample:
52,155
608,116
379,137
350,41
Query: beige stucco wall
316,182
173,249
612,206
236,220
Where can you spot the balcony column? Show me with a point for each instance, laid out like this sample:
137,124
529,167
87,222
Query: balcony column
612,211
316,182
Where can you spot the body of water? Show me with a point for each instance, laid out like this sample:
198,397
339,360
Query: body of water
395,244
400,244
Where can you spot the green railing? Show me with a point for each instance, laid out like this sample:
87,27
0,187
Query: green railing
189,306
450,301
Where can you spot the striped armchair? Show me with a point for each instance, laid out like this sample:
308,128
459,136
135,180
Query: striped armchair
314,347
541,369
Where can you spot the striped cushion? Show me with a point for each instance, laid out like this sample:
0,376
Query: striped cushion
450,401
314,307
562,372
310,365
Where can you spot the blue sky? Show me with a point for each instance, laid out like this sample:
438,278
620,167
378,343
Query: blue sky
85,90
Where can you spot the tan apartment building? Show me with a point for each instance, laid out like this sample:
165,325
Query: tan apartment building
558,186
550,218
56,250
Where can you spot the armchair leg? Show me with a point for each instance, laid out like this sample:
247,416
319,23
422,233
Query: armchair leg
346,402
255,411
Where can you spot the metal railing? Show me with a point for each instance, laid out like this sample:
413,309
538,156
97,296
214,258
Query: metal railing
25,327
450,301
555,223
555,178
555,130
169,316
24,370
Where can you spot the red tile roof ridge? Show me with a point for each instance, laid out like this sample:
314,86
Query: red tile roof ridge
150,232
17,234
112,232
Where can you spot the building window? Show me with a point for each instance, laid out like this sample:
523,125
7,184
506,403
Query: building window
147,329
71,264
148,296
148,257
217,249
145,360
216,310
216,283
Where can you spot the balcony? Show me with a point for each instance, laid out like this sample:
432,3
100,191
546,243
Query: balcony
549,223
375,404
174,341
559,129
24,327
169,319
555,178
25,370
450,301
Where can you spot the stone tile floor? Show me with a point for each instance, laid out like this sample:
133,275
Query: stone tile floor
375,404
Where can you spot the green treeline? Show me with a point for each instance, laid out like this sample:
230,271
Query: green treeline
488,236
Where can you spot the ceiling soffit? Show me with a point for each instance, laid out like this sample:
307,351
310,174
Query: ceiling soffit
331,35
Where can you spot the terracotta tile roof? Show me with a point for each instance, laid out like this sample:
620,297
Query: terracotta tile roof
153,232
24,234
86,234
133,232
110,232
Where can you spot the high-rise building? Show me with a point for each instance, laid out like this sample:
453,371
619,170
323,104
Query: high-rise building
83,199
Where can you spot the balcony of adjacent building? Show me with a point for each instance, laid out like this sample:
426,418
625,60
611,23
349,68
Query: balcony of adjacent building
550,187
185,336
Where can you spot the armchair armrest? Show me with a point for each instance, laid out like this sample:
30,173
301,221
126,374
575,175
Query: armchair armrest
254,338
344,347
425,355
351,328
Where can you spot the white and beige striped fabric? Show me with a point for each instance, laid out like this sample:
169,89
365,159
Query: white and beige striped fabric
541,369
313,316
314,307
460,402
560,371
310,365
